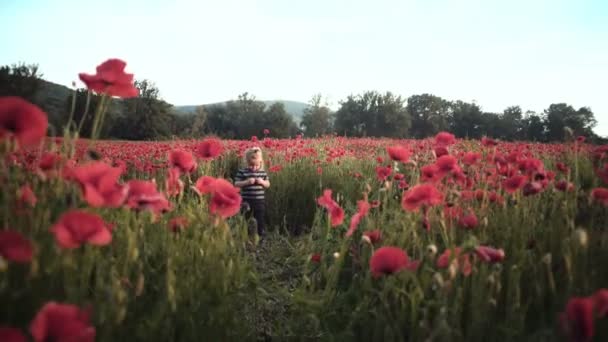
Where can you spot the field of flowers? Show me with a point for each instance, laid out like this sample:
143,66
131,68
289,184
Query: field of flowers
373,239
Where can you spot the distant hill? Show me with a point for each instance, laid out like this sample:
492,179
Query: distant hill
53,97
294,108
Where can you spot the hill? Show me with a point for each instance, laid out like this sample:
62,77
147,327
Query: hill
293,108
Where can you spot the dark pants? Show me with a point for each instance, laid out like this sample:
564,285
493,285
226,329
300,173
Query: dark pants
257,208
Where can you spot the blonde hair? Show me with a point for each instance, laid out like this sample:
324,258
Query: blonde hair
250,152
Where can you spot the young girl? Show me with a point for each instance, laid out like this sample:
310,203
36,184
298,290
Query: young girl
253,180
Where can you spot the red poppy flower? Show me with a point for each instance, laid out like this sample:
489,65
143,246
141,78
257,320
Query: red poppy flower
275,168
143,195
209,149
489,254
374,236
266,131
564,185
382,172
561,167
461,260
204,185
225,199
21,120
173,185
27,196
49,161
440,151
600,195
319,170
98,181
577,320
603,173
75,228
362,210
335,211
111,79
316,258
8,334
62,322
388,260
485,141
177,224
14,247
532,188
183,160
446,164
403,185
468,221
600,299
398,153
471,158
430,173
580,139
514,183
445,139
421,195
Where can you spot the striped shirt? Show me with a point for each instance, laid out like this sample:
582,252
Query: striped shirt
253,191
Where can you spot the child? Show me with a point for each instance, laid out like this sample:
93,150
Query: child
253,180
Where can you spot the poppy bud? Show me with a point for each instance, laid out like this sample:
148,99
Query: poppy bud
546,259
336,255
580,236
431,250
366,239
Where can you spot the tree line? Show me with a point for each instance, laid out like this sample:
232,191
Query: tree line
370,114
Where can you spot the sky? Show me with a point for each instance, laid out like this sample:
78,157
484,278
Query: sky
529,53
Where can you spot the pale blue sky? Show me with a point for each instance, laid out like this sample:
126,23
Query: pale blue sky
498,53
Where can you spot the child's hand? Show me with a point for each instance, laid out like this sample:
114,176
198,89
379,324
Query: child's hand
252,180
259,181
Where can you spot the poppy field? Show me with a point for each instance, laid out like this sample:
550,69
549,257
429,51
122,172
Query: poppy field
440,239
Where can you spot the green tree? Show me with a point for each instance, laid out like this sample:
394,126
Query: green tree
199,124
466,120
429,113
23,80
373,114
533,127
561,115
316,120
145,117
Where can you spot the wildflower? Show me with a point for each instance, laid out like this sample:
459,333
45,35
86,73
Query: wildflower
98,182
445,139
485,141
266,131
421,195
471,158
577,320
532,188
600,195
388,260
183,160
173,185
446,164
316,258
335,211
440,151
111,80
76,227
382,172
489,254
62,322
398,153
8,334
460,261
374,236
14,247
362,210
27,196
203,185
143,195
430,173
178,223
225,199
600,299
514,183
468,221
209,149
22,121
